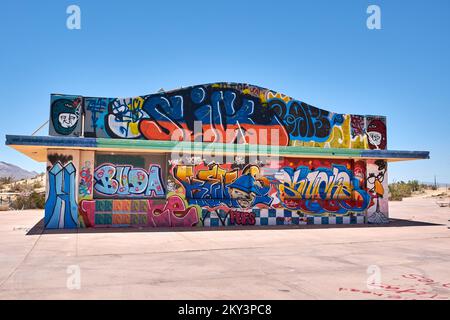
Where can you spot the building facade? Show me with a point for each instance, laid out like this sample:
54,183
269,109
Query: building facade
211,155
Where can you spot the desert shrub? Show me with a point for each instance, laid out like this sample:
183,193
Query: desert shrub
414,184
32,201
400,190
37,185
5,181
21,188
397,191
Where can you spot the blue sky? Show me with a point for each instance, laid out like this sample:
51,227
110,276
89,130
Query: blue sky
320,52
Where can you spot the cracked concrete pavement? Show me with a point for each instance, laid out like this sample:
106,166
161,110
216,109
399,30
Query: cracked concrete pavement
412,256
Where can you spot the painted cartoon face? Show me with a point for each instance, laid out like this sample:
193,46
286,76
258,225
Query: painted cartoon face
376,181
67,120
244,199
65,115
376,133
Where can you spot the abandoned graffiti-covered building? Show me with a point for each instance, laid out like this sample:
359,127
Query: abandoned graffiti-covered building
219,154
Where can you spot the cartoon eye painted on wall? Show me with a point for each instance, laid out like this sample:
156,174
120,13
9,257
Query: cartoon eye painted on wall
371,179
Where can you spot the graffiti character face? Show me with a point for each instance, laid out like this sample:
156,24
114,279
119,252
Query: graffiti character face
376,134
244,199
65,114
124,117
377,179
243,190
67,120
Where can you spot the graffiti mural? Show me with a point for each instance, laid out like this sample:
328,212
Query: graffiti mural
304,122
376,132
358,139
61,208
175,212
285,191
225,116
124,117
121,190
54,158
127,181
225,112
65,115
96,110
85,182
242,217
291,191
215,185
327,188
288,191
377,186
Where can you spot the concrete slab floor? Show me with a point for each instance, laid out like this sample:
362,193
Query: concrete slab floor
412,256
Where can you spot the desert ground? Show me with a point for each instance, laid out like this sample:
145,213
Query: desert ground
407,259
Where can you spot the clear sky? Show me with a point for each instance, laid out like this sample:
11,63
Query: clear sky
320,52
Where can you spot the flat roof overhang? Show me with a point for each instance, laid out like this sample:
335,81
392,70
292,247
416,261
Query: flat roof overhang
36,147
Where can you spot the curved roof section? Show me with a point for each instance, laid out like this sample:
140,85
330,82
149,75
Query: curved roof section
223,112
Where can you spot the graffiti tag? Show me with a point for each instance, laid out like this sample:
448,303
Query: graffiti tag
124,180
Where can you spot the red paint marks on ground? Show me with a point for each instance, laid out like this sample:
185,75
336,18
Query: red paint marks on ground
405,292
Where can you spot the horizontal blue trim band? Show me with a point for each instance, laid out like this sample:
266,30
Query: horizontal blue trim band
80,142
51,141
395,154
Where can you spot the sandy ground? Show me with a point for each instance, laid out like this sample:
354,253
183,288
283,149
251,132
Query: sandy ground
409,259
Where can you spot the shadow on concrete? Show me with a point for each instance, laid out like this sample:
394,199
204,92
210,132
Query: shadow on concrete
38,228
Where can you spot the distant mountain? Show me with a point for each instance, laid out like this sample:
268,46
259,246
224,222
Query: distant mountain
17,173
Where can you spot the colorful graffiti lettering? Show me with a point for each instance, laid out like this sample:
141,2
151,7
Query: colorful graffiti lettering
227,112
291,191
175,212
305,122
96,108
124,180
224,115
321,190
86,217
124,116
213,186
357,125
282,191
61,209
288,191
85,182
242,218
